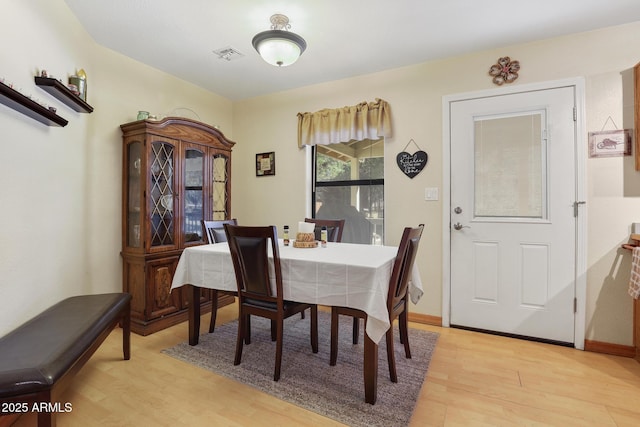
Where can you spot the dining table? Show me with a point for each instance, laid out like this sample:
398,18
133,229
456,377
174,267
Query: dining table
338,274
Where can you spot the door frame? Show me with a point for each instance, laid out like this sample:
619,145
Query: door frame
581,223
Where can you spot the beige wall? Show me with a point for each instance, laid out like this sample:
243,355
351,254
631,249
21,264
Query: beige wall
603,58
60,188
60,193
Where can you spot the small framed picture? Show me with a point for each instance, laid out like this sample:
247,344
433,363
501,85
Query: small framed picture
610,143
266,164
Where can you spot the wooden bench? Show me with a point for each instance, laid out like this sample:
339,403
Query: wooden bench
40,357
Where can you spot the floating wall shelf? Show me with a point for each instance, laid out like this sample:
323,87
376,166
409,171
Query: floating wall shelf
25,105
60,91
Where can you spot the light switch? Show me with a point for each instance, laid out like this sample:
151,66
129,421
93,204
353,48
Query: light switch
431,193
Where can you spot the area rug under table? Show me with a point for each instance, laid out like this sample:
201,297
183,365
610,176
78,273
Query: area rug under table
307,380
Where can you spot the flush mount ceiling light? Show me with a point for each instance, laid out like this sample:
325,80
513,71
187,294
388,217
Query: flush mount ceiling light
279,46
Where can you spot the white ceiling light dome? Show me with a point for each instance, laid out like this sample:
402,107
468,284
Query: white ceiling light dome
279,46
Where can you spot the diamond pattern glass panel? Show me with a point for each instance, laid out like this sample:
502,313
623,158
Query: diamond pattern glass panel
220,197
162,197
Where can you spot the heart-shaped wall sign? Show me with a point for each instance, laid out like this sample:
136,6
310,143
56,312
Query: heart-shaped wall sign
412,164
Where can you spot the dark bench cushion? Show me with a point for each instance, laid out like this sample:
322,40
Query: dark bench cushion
38,353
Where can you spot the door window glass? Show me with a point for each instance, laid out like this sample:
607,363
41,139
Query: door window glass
510,166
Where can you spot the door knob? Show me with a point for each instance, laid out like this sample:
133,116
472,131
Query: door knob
459,226
458,210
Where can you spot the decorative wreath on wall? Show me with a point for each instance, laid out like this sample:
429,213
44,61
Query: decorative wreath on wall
505,71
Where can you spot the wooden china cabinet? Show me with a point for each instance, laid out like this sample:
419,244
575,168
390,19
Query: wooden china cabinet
176,172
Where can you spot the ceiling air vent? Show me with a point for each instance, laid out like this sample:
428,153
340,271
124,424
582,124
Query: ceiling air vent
228,53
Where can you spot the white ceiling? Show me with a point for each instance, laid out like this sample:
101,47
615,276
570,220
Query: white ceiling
345,38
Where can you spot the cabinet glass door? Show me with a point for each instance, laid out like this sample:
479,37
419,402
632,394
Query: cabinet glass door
162,200
193,195
134,192
219,187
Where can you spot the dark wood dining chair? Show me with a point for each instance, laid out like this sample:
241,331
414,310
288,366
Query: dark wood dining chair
335,227
257,295
214,230
397,300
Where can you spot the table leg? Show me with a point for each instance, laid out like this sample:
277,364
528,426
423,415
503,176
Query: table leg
370,370
193,296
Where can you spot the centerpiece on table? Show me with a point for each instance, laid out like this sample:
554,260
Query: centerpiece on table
305,237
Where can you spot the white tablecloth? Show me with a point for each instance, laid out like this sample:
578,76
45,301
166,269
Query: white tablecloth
342,274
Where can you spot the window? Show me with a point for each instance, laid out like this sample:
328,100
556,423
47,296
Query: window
510,167
349,183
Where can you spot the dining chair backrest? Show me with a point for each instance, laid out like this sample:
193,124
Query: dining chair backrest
249,247
214,230
335,227
403,265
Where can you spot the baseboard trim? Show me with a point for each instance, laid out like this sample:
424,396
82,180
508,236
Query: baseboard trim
425,319
593,346
608,348
589,345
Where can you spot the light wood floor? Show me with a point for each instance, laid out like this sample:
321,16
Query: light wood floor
473,380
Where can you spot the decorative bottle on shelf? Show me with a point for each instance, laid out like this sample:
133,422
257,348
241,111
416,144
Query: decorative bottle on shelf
323,236
285,237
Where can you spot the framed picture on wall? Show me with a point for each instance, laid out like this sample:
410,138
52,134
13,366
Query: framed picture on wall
610,143
266,164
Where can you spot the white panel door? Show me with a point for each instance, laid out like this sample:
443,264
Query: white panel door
513,227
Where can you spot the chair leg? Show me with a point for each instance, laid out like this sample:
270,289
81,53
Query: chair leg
391,358
214,309
242,329
406,310
279,327
247,328
356,329
334,337
302,314
274,332
314,328
403,326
